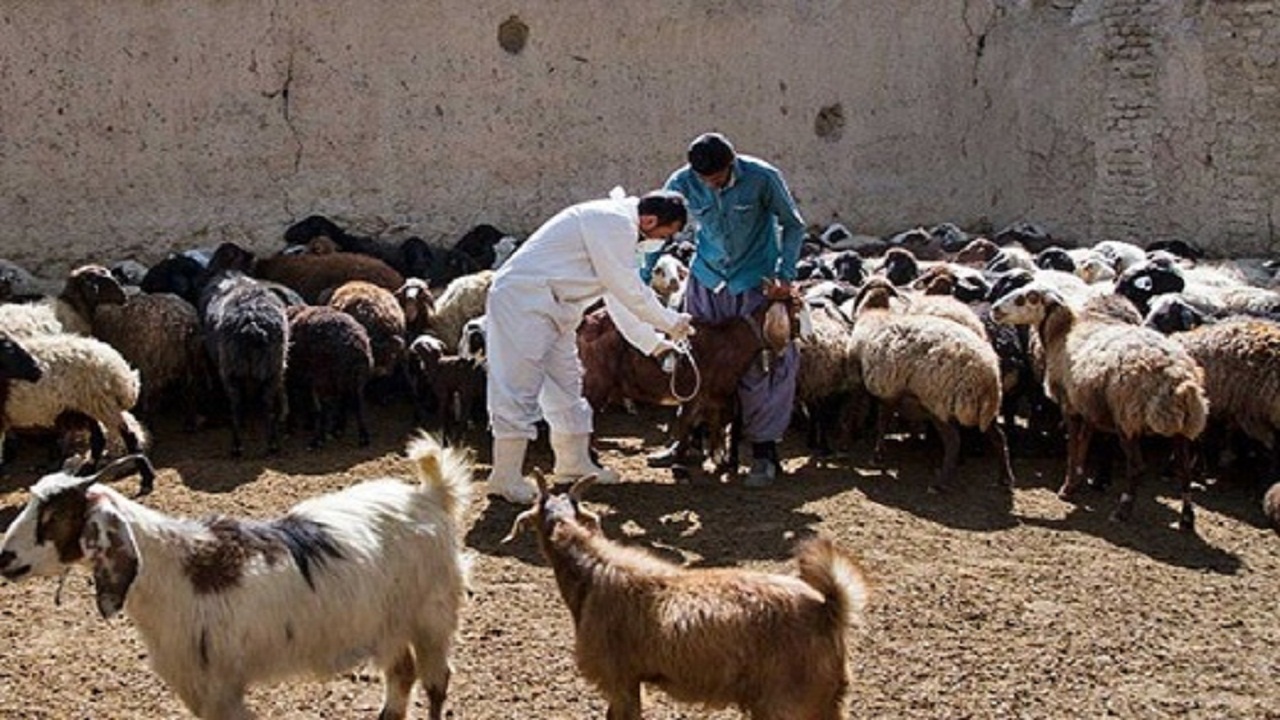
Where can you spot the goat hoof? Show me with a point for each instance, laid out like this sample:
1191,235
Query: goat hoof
1187,522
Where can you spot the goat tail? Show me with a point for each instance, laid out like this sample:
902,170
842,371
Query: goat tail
837,575
445,471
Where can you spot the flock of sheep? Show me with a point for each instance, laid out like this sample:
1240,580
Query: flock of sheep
1013,338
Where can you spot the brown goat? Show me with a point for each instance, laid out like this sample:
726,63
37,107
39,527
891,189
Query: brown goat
773,645
706,388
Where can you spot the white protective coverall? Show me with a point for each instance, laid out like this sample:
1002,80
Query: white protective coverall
584,253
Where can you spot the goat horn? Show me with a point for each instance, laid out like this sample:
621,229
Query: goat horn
541,480
582,485
520,524
123,467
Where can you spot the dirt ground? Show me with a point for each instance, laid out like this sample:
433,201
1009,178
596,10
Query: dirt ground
990,604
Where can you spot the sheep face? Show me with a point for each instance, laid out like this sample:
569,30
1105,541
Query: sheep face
416,300
1026,306
16,363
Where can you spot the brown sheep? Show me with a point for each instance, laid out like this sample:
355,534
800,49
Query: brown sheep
773,645
312,274
382,317
329,364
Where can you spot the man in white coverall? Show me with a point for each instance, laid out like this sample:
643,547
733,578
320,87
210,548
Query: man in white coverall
585,253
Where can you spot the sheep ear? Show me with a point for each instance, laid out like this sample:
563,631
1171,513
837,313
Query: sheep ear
107,542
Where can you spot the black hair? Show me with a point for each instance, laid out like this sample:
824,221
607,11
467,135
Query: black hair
710,153
666,205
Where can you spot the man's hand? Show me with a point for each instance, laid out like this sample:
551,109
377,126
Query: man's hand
682,329
663,347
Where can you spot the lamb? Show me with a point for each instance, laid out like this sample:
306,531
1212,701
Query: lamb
374,572
82,381
462,299
773,645
1114,377
378,310
921,363
330,360
451,385
418,305
247,335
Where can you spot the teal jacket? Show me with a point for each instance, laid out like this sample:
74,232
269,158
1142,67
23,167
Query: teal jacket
738,243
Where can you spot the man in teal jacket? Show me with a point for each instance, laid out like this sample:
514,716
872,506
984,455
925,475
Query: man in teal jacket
748,232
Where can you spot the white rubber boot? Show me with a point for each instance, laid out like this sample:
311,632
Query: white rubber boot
507,477
573,459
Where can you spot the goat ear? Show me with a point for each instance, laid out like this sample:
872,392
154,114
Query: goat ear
107,542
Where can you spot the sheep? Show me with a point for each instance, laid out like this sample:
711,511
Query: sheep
1240,357
773,645
177,273
924,363
319,235
247,335
83,383
376,572
1029,235
310,275
1271,507
829,376
900,266
1114,377
330,360
15,364
463,299
159,334
85,288
378,310
418,305
421,359
473,344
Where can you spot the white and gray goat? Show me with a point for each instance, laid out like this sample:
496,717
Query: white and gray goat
373,572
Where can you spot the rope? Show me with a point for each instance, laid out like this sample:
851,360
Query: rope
684,348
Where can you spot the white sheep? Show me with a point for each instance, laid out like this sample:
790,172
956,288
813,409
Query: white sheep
462,299
921,363
774,645
376,571
84,381
1113,377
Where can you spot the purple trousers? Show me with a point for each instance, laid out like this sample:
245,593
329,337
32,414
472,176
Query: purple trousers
766,398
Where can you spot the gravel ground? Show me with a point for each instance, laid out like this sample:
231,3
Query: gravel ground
989,603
